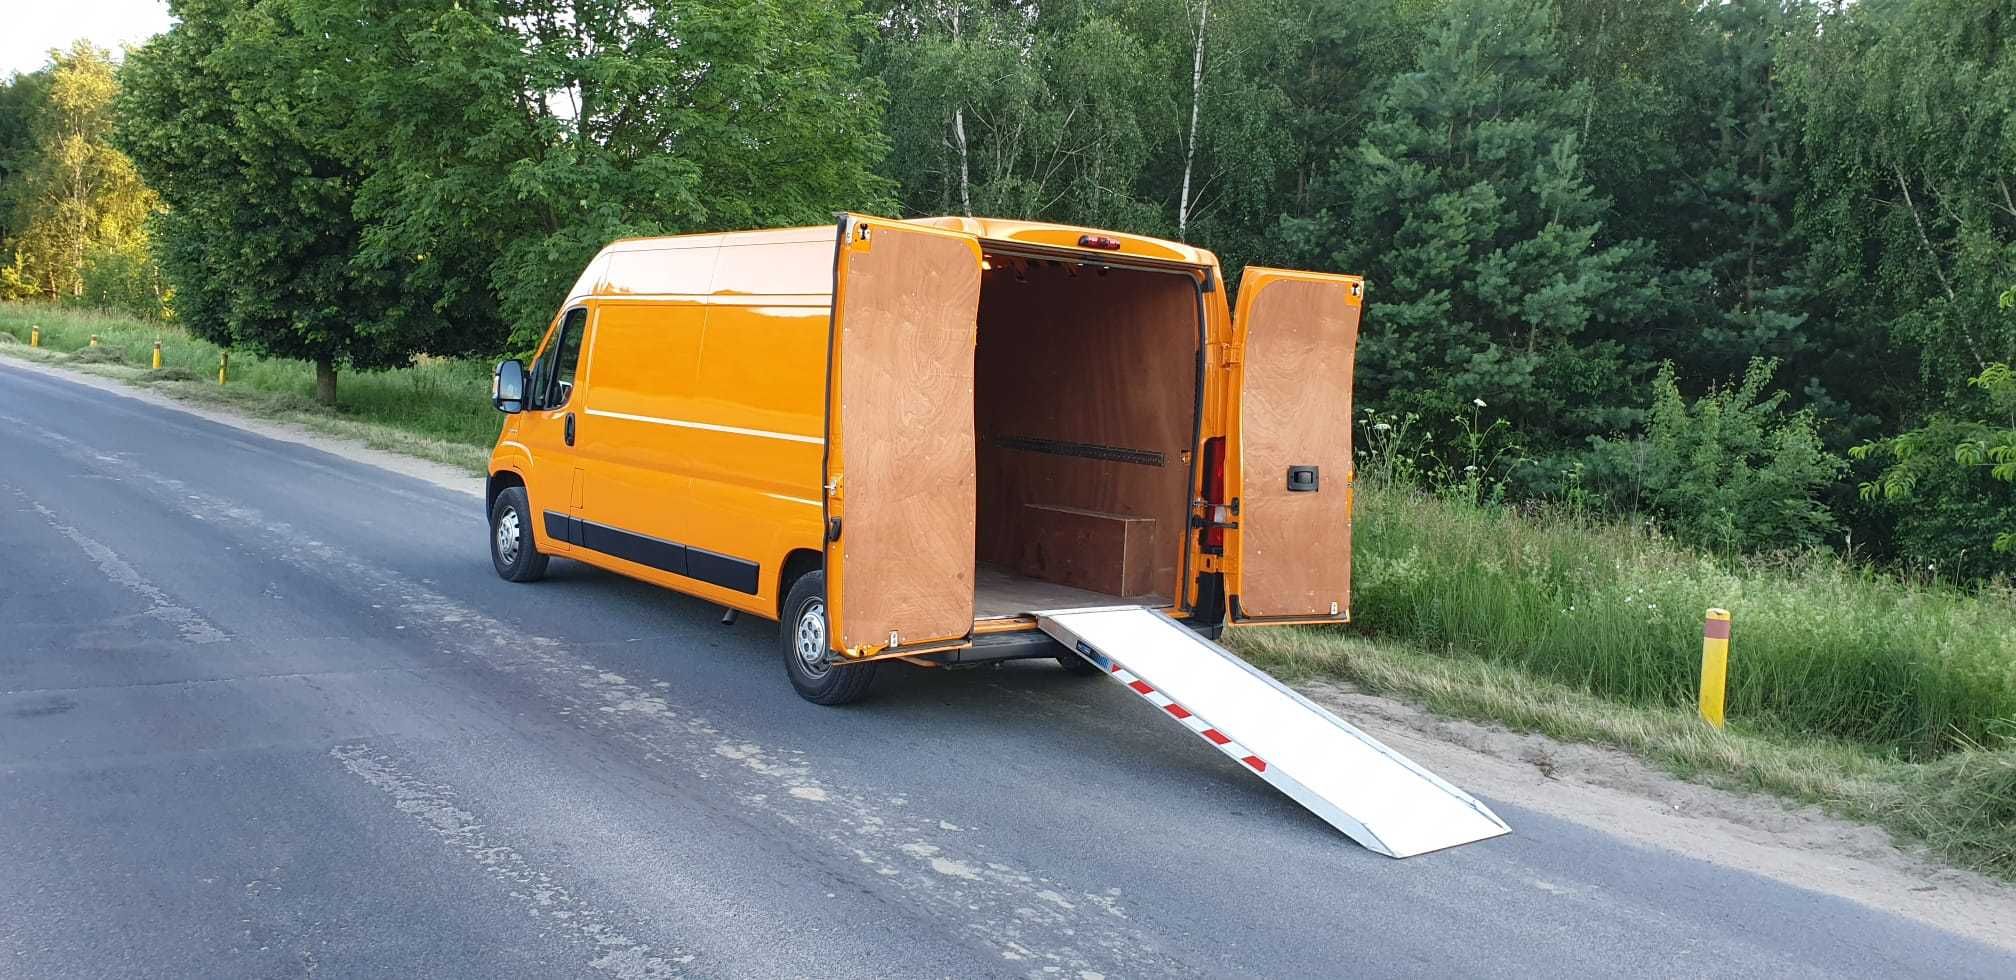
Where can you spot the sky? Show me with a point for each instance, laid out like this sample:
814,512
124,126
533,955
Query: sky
29,28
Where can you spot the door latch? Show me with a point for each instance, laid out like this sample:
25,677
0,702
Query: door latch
1303,479
570,428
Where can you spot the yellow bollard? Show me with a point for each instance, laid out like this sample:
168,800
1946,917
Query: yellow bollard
94,340
223,366
35,336
1714,665
157,355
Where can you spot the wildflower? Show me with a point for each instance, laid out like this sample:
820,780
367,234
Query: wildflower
1382,427
1479,402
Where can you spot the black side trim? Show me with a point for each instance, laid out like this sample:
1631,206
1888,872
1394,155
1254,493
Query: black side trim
725,571
560,527
1085,450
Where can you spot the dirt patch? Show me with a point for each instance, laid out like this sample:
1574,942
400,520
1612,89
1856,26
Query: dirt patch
1623,796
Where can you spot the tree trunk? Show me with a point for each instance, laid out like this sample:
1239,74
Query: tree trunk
325,381
1190,146
959,134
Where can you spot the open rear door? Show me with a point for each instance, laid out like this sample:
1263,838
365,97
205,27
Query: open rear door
899,438
1296,338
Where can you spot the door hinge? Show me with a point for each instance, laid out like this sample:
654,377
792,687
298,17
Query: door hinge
1230,354
1207,564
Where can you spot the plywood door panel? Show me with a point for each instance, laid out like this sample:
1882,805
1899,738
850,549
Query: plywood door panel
900,440
1299,333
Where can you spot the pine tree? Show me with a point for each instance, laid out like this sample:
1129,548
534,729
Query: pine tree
1467,205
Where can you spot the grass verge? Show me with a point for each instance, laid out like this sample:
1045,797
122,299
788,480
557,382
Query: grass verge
1820,647
438,409
1962,804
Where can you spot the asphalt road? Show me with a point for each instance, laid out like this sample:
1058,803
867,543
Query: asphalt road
268,712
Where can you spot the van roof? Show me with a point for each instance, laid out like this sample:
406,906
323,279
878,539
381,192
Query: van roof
801,259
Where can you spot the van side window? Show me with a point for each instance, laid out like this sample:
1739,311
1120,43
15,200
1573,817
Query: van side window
553,375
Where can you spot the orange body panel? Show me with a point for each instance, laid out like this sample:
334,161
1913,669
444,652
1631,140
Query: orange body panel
700,406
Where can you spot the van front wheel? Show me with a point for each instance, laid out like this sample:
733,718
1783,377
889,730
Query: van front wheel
803,632
511,548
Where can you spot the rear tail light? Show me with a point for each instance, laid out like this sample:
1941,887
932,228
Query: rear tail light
1214,494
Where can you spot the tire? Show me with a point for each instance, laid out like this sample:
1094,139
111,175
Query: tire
802,636
516,558
1077,665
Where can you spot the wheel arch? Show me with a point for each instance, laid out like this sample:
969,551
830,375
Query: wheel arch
496,484
797,564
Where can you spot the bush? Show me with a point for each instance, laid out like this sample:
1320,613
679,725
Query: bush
126,280
1730,471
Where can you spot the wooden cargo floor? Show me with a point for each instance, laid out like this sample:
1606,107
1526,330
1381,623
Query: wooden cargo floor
999,594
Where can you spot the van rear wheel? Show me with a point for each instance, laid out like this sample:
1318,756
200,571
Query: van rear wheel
511,548
802,630
1075,664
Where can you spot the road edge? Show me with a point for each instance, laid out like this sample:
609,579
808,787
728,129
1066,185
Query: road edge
439,474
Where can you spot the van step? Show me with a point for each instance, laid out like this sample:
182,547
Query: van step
1377,796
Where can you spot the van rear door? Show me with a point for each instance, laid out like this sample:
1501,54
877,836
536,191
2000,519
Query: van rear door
1295,339
899,470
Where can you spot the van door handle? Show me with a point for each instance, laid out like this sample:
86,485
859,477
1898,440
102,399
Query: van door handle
570,428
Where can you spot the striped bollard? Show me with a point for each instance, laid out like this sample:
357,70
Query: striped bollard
1714,665
223,366
157,355
94,340
35,336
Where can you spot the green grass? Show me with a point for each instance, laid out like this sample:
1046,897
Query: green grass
1962,805
1820,647
438,409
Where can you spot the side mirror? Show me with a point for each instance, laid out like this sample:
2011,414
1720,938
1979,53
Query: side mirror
507,387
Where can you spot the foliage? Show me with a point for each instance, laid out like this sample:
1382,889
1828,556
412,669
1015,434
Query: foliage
71,192
1468,205
260,228
1729,471
1951,477
125,279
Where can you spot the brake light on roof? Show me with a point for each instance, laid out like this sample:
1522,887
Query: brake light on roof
1098,241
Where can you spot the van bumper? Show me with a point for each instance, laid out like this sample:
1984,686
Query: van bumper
1029,644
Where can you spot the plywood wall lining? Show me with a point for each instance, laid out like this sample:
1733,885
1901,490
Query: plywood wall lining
1072,356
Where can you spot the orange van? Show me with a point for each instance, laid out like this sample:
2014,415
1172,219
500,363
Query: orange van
901,439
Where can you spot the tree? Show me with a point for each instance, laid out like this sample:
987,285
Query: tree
73,192
500,144
21,97
1909,116
260,229
1493,279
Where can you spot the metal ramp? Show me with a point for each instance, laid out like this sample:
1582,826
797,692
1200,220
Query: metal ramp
1377,796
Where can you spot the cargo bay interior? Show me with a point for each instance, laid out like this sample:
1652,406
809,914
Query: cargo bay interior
1085,408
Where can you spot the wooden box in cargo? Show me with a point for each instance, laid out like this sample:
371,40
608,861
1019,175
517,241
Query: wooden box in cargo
1088,549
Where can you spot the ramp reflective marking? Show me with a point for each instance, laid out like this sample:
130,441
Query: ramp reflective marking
1377,796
